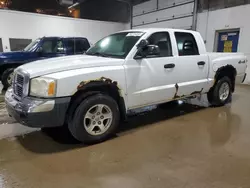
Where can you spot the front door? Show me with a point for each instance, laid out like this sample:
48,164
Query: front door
52,47
152,78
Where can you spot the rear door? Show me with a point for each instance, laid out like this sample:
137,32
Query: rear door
69,44
191,67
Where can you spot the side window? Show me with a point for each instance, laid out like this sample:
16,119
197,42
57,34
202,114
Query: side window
70,45
85,44
186,44
81,45
59,46
53,46
162,40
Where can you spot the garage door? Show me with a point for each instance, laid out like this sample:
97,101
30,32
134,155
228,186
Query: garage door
164,13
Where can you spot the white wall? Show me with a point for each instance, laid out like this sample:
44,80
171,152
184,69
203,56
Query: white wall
184,12
14,24
237,17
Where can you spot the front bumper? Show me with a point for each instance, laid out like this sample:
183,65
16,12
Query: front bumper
35,112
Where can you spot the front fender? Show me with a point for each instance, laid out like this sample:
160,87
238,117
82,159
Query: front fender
68,82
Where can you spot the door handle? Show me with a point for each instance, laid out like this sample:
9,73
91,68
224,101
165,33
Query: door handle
201,63
169,66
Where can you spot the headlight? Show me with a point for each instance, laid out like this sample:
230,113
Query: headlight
43,87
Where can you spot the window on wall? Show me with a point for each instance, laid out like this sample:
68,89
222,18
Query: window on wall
186,44
1,45
19,44
227,40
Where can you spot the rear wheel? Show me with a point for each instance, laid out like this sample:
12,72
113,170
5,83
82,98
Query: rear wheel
95,119
221,93
7,77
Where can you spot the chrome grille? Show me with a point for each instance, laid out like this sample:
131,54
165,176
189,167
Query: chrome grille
18,85
19,79
19,91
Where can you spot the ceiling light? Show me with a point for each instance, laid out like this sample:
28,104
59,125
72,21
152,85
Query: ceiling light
72,6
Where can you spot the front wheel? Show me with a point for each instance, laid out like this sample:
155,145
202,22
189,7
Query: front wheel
95,119
221,93
7,78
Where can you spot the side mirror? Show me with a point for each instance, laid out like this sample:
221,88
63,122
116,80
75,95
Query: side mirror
39,49
153,50
188,45
148,51
141,49
142,44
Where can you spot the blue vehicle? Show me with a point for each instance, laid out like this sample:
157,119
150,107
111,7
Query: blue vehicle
46,47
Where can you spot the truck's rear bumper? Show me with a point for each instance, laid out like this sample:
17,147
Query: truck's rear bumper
38,113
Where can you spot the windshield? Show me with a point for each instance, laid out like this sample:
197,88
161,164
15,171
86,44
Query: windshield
32,45
117,45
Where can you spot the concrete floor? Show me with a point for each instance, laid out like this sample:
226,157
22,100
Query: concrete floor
8,126
185,147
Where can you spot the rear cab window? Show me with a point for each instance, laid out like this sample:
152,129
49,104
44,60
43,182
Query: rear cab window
81,45
76,45
186,44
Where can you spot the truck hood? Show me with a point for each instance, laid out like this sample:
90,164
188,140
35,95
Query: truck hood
59,64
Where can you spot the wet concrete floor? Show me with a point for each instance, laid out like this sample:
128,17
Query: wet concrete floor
185,147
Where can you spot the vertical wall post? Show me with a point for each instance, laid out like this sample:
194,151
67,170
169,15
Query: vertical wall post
195,10
130,4
131,15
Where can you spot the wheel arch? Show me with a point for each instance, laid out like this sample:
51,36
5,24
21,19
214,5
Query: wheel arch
89,88
7,66
228,71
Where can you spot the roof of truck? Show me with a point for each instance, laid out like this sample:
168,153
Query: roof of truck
63,37
158,29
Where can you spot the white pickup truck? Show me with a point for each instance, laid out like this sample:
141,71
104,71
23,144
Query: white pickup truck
91,93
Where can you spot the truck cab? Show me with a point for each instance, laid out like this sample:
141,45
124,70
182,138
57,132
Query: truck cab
42,48
91,93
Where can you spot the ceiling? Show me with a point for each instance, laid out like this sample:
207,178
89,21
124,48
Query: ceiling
126,1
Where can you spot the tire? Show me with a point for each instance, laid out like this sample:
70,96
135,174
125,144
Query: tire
215,97
5,78
85,125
